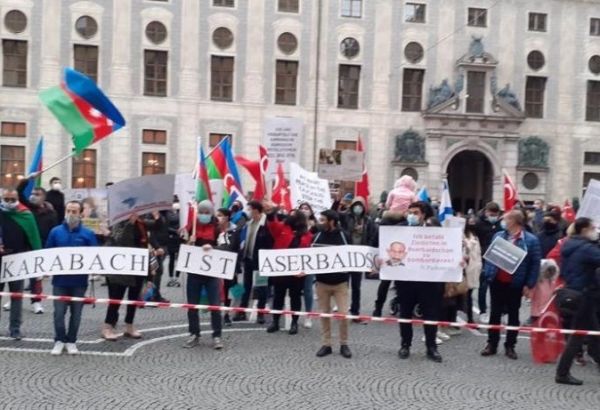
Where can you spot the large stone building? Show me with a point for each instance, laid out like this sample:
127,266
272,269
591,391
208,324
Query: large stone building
458,88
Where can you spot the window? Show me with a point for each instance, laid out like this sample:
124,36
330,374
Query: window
530,181
352,8
591,158
153,163
349,47
537,21
13,129
224,3
15,21
154,137
12,164
413,52
221,78
215,138
536,60
592,112
86,26
84,170
85,60
477,17
222,38
534,96
348,85
156,32
287,43
155,73
475,91
285,82
288,6
14,72
414,12
346,186
412,89
594,64
595,27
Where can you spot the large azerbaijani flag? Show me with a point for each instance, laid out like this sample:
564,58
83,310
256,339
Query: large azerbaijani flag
36,166
202,185
83,109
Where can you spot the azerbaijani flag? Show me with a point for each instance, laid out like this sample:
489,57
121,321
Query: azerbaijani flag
83,109
231,180
202,184
36,166
216,167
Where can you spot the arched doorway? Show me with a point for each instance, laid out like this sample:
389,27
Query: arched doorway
470,179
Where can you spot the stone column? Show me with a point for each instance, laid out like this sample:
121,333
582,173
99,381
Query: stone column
121,48
254,76
382,53
190,33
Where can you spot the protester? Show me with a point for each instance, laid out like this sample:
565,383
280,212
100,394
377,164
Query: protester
173,242
19,234
403,194
228,240
206,235
554,254
238,214
507,289
70,233
486,227
550,232
474,264
309,280
156,225
428,295
289,234
257,237
580,260
56,197
538,216
332,285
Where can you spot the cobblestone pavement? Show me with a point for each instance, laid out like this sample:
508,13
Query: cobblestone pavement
261,371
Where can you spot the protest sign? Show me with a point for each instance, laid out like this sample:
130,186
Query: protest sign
283,139
140,195
314,261
308,187
505,255
590,205
422,254
99,260
341,165
185,189
455,222
95,207
213,263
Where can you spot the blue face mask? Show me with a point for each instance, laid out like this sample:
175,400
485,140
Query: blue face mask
413,220
204,218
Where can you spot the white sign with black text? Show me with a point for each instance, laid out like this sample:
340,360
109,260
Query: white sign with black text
213,263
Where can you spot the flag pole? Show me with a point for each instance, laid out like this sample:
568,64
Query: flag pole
60,161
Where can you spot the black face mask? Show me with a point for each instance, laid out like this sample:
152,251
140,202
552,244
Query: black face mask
235,208
550,226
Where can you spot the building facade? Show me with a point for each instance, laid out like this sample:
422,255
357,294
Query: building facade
460,89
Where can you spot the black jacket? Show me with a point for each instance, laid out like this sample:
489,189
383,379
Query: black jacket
173,230
13,236
57,199
45,215
263,240
159,230
548,240
335,237
349,222
485,232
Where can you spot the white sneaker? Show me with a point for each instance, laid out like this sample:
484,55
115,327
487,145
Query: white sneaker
454,331
6,306
57,349
438,341
442,335
335,309
72,349
308,323
484,318
37,308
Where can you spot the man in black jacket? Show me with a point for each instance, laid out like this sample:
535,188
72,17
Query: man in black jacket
332,285
550,232
56,197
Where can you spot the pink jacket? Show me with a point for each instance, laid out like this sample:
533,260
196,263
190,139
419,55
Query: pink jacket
403,194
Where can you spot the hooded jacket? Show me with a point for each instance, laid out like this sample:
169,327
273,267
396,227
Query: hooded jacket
579,260
403,194
350,222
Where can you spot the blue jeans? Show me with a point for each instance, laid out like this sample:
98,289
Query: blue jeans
195,283
60,310
16,307
309,281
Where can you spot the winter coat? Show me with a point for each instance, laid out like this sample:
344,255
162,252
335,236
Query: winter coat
364,222
57,199
264,240
548,240
334,237
173,240
580,259
473,268
486,231
403,194
45,215
230,241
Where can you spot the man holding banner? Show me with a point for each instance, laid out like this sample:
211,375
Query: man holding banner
70,233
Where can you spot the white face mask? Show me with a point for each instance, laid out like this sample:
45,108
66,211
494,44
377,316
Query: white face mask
57,186
176,206
593,235
9,206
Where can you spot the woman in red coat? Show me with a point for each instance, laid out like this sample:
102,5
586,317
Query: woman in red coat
291,233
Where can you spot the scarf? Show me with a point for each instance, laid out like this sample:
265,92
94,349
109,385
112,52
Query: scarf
23,217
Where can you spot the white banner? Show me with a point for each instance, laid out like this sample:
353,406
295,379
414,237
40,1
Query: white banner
283,139
213,263
421,254
308,187
590,205
140,195
318,260
98,260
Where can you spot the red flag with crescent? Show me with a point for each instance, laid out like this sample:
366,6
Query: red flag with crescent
361,188
547,347
510,193
257,170
281,191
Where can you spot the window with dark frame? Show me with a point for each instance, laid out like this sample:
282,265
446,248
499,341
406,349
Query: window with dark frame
153,163
155,73
591,158
154,137
14,70
414,52
594,64
222,37
412,89
535,88
536,60
475,91
84,170
595,26
214,138
286,82
592,111
13,129
86,26
85,60
352,8
221,79
415,12
538,21
477,17
15,21
12,164
156,32
348,86
288,6
224,3
287,43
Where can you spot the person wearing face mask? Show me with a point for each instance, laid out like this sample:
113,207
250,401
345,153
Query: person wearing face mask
550,232
238,214
309,280
486,227
56,197
173,242
70,233
20,234
580,256
229,240
207,235
507,289
156,224
538,215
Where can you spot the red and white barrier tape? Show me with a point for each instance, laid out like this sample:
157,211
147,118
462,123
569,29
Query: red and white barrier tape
336,316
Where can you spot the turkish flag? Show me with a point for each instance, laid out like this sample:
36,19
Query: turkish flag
281,191
568,212
548,346
361,188
510,193
258,170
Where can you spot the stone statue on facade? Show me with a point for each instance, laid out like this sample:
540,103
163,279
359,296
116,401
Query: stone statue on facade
476,49
508,96
410,147
533,153
440,94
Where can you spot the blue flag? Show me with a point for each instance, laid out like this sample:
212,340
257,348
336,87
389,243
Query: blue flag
446,204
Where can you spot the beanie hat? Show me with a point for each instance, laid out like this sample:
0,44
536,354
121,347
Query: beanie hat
206,205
